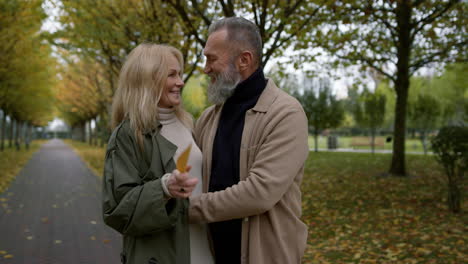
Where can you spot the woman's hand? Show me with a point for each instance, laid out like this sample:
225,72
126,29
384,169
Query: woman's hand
181,185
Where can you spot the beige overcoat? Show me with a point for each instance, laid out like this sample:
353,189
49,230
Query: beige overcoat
273,151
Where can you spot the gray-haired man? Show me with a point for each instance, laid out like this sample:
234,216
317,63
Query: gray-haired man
254,143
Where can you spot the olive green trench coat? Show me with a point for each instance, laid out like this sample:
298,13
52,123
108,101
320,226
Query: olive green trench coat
155,230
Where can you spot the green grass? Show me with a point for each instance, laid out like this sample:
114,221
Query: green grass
93,156
345,142
12,161
354,216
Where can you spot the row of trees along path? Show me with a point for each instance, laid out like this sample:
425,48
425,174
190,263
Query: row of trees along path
51,213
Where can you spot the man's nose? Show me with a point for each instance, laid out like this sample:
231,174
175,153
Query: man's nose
207,68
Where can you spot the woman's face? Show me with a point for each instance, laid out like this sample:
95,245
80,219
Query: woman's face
171,95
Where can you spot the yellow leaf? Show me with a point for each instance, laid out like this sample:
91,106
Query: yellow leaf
425,237
9,256
2,252
423,251
183,158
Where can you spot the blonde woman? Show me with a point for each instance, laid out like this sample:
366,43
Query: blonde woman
144,197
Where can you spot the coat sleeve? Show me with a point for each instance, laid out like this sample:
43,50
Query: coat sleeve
276,166
131,206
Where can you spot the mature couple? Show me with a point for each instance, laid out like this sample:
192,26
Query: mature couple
240,201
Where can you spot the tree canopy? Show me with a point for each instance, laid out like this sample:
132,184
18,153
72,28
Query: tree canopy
395,38
27,68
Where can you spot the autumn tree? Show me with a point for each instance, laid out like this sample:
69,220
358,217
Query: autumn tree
107,31
322,108
82,94
369,112
26,71
104,32
451,90
281,23
396,38
424,114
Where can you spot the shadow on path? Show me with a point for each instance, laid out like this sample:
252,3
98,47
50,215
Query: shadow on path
52,213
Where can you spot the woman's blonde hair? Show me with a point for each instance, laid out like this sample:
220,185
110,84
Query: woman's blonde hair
142,81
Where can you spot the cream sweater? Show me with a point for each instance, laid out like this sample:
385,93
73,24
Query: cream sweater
174,131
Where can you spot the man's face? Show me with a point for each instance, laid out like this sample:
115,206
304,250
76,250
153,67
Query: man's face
220,67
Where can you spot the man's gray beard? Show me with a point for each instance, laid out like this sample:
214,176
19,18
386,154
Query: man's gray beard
224,86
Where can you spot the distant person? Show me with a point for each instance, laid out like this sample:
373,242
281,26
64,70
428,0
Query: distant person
144,197
254,141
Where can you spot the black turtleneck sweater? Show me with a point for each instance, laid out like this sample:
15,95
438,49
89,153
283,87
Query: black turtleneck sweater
225,162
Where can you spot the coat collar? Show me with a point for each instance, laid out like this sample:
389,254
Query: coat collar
166,149
267,97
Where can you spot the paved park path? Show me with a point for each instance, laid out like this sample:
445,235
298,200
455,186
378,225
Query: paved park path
51,213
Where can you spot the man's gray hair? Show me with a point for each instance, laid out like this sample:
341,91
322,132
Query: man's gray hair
241,32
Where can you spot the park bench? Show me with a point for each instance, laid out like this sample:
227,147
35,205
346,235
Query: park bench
366,142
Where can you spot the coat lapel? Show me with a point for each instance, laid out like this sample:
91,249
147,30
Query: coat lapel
164,150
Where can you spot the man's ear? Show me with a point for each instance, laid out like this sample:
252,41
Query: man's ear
245,60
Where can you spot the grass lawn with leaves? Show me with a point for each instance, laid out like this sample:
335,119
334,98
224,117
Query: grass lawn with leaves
355,216
12,161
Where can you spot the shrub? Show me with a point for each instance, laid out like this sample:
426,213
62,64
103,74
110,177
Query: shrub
451,149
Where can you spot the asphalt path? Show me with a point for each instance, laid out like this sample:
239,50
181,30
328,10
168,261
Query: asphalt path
51,213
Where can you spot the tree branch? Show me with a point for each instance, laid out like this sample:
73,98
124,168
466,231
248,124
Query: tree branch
185,19
432,57
431,17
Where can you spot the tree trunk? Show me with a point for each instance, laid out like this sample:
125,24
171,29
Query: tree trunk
2,139
454,200
90,134
95,132
83,132
316,140
12,131
103,133
403,14
423,141
17,135
373,140
28,135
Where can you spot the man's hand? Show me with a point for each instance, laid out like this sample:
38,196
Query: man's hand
181,185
